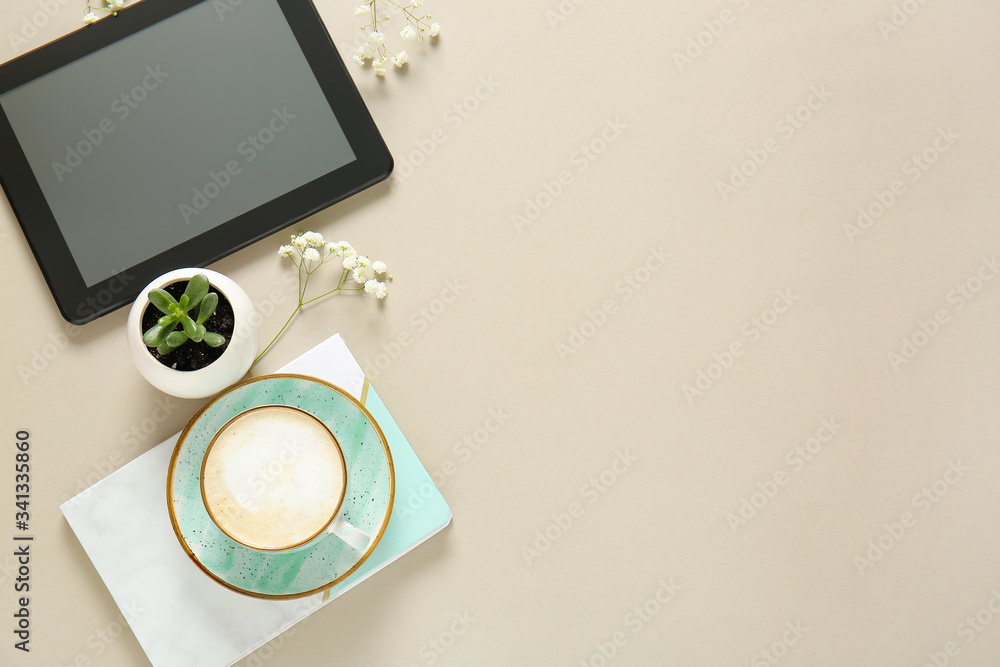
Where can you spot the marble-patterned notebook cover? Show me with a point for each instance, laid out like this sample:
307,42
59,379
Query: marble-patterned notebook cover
188,619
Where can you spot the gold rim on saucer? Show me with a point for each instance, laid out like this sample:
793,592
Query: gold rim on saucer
326,586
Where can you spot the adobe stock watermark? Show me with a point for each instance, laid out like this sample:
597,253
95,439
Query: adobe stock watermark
562,11
580,161
434,648
37,20
463,449
99,641
741,171
456,115
924,501
121,108
470,444
249,149
129,442
967,630
781,647
795,460
263,309
697,44
901,14
256,473
590,492
635,620
223,8
927,329
44,354
624,289
261,655
913,169
419,321
268,650
750,332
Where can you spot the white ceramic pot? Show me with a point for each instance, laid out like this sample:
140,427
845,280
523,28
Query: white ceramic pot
224,371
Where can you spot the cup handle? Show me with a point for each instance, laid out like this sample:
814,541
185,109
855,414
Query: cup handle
355,537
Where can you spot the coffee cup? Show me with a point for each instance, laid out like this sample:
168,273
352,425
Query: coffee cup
274,478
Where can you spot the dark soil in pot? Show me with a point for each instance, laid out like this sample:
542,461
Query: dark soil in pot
192,356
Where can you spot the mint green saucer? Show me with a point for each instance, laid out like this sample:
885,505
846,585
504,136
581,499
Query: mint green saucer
367,504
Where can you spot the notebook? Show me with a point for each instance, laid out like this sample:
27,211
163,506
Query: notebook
178,614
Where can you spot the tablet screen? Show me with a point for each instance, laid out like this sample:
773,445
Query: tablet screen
173,131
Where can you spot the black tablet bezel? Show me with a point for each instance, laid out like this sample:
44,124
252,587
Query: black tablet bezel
79,303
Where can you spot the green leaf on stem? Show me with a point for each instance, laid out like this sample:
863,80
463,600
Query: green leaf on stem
213,339
162,300
208,305
176,339
190,328
155,335
196,290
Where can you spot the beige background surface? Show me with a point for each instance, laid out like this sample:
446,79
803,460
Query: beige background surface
666,516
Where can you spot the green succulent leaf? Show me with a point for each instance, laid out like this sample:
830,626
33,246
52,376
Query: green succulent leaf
208,305
164,349
155,335
196,290
199,333
176,339
213,339
190,328
182,303
167,320
162,300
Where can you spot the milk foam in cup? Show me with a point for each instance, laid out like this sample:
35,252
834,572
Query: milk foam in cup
274,478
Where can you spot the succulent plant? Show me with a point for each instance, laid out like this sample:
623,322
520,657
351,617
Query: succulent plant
165,336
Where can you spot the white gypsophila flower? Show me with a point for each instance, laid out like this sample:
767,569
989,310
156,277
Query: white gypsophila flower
369,50
435,29
379,267
311,255
314,239
286,251
299,242
400,59
380,291
376,37
371,286
344,246
361,10
89,17
351,262
359,275
364,261
359,59
116,4
331,248
417,4
380,71
408,32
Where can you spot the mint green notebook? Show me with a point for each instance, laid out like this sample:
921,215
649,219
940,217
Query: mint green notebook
123,525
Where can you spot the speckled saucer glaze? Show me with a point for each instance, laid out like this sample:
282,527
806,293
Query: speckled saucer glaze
367,503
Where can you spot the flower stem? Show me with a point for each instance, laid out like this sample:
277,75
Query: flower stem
276,337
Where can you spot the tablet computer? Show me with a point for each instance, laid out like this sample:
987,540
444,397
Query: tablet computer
173,134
